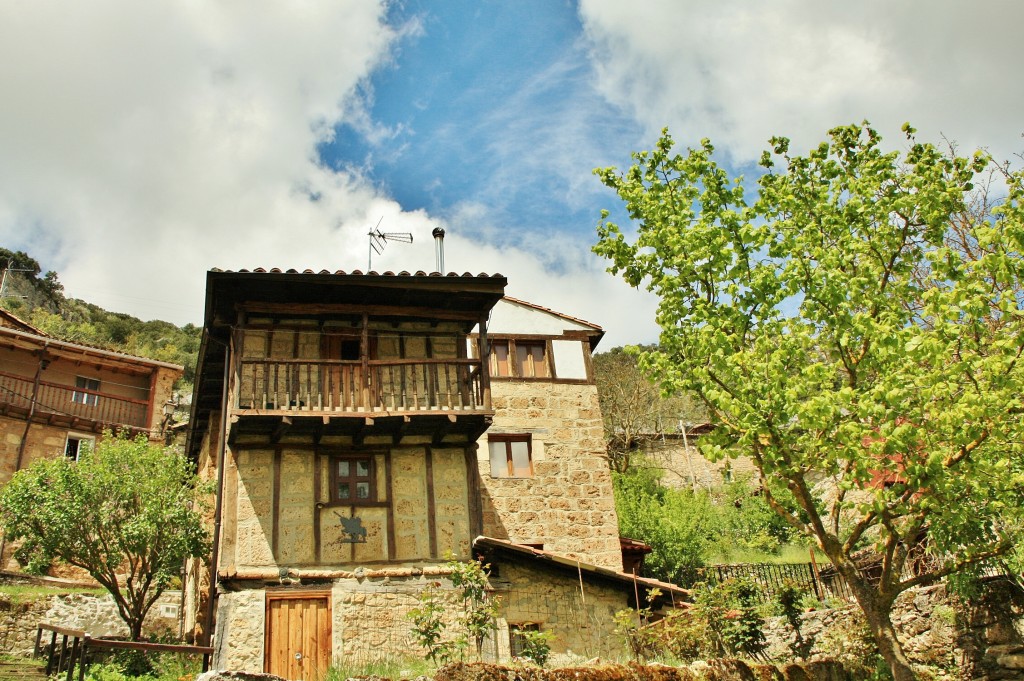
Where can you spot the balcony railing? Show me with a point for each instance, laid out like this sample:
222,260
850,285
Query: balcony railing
62,400
408,385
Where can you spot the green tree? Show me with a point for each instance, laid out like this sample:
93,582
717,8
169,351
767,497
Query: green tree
857,323
124,513
679,525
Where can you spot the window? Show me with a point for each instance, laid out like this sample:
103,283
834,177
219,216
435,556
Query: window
510,456
531,360
519,359
76,444
499,359
87,398
517,636
352,479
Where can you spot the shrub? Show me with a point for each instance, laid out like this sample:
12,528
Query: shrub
732,611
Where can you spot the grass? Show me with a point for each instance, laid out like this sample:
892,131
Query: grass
26,593
392,668
788,553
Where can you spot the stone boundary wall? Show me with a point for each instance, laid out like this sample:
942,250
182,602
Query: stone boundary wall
980,639
94,614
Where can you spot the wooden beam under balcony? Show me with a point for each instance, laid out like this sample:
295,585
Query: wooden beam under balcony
282,427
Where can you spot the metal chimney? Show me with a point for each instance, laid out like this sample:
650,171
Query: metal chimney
439,248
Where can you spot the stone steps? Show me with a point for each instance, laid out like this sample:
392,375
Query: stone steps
22,669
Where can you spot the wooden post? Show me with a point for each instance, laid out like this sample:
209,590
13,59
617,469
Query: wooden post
485,364
816,577
364,354
81,661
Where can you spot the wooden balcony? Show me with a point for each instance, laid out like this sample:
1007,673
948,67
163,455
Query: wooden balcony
69,406
397,397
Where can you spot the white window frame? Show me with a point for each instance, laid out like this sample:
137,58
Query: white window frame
86,383
79,438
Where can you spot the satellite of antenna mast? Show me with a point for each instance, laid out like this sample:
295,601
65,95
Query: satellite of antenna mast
379,239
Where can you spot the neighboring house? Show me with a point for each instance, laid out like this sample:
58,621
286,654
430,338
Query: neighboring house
57,397
683,466
343,415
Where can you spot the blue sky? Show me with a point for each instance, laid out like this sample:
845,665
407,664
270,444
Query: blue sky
488,102
142,144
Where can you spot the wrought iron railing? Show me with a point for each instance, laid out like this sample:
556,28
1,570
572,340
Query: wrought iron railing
407,385
92,405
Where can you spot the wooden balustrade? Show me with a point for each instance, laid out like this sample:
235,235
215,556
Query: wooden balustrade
408,385
65,400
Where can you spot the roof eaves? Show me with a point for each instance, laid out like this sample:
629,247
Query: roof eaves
587,568
84,349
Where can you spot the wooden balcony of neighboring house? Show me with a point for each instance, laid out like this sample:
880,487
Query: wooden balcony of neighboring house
395,397
69,406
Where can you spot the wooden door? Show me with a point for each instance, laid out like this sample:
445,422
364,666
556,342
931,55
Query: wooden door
298,636
342,384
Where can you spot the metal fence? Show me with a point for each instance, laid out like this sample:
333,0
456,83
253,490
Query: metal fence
824,583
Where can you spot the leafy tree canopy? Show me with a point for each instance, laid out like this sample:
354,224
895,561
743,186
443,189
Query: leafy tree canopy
124,513
860,322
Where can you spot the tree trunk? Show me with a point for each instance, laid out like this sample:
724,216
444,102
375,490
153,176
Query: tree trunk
877,613
135,627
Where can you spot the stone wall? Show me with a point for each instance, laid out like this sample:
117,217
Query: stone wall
568,505
580,616
684,467
981,638
369,614
43,442
94,614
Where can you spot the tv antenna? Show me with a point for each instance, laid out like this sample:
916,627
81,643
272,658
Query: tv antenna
379,239
3,283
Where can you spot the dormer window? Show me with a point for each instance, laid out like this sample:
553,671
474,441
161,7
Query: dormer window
519,359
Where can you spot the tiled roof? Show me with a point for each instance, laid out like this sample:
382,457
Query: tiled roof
371,273
582,568
19,323
83,349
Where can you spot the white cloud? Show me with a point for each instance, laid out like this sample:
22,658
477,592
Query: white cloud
578,286
142,144
740,72
152,141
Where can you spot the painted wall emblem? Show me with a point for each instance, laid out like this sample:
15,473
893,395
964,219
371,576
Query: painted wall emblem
352,530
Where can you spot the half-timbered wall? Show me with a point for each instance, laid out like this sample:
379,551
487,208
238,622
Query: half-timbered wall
280,510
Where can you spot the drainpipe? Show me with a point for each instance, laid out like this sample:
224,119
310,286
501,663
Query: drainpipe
215,557
439,248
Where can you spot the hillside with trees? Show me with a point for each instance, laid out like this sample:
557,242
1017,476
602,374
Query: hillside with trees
38,298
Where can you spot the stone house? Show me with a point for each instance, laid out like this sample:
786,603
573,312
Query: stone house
683,465
366,428
58,397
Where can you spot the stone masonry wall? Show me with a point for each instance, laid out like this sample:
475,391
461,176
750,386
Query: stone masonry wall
580,616
568,504
981,639
370,615
94,614
684,467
